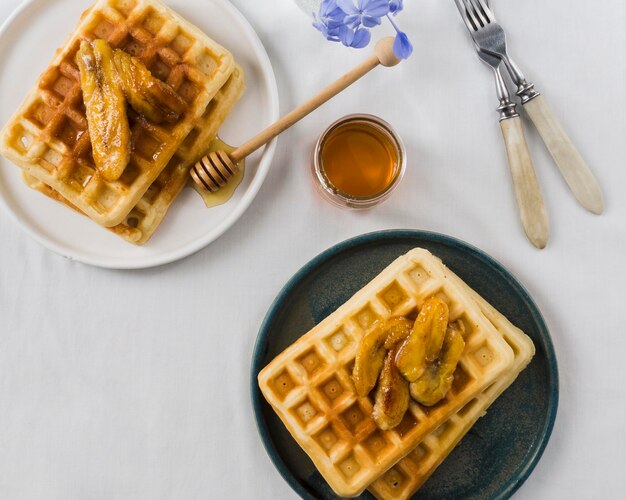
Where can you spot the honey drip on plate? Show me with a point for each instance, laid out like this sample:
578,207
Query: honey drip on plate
226,192
359,159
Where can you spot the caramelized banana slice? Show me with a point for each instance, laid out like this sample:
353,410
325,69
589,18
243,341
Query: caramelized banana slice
424,344
398,330
105,108
436,381
368,363
392,394
147,95
371,352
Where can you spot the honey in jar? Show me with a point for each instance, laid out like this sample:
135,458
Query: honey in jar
358,160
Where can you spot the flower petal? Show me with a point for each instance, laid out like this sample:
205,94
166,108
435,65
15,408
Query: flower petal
402,47
396,6
327,6
323,29
361,38
377,8
319,25
330,14
348,7
346,35
352,20
370,21
332,24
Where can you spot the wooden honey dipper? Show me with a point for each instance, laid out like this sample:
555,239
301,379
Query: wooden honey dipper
212,172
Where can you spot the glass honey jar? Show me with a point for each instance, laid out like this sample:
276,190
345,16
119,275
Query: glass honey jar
358,161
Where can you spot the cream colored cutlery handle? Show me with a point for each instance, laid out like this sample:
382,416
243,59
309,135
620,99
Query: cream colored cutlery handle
573,167
529,200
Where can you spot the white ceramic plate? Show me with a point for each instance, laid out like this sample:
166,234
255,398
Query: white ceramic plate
27,43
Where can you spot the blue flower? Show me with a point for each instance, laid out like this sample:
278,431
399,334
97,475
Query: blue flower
346,22
396,6
356,38
366,12
329,19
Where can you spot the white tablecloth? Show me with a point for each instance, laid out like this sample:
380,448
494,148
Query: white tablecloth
136,384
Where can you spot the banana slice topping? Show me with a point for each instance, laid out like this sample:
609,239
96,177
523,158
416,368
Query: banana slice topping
109,78
105,106
400,359
437,379
392,394
424,344
372,349
146,94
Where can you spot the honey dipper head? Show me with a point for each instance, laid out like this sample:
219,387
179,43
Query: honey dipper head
384,52
213,172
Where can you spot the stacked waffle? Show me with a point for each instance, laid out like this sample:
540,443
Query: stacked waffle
48,136
310,384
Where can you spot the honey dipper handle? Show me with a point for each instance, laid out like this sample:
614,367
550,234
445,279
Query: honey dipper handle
383,54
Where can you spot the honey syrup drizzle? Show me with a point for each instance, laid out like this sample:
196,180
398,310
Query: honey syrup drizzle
225,193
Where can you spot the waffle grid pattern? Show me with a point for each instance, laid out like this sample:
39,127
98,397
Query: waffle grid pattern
409,474
309,385
48,136
143,220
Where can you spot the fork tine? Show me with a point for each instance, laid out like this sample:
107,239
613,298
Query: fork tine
465,15
491,18
479,13
470,14
488,11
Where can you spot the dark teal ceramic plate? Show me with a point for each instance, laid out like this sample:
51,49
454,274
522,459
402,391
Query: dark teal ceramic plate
501,450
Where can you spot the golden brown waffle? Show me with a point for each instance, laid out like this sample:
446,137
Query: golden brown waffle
145,217
407,476
309,385
48,135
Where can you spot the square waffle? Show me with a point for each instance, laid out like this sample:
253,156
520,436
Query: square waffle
48,135
407,476
143,220
310,387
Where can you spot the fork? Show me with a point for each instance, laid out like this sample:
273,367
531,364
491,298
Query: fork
490,37
507,109
527,191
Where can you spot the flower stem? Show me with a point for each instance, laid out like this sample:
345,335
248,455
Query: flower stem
395,26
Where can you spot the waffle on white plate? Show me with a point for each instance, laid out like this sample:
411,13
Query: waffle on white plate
409,474
309,385
48,135
143,220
